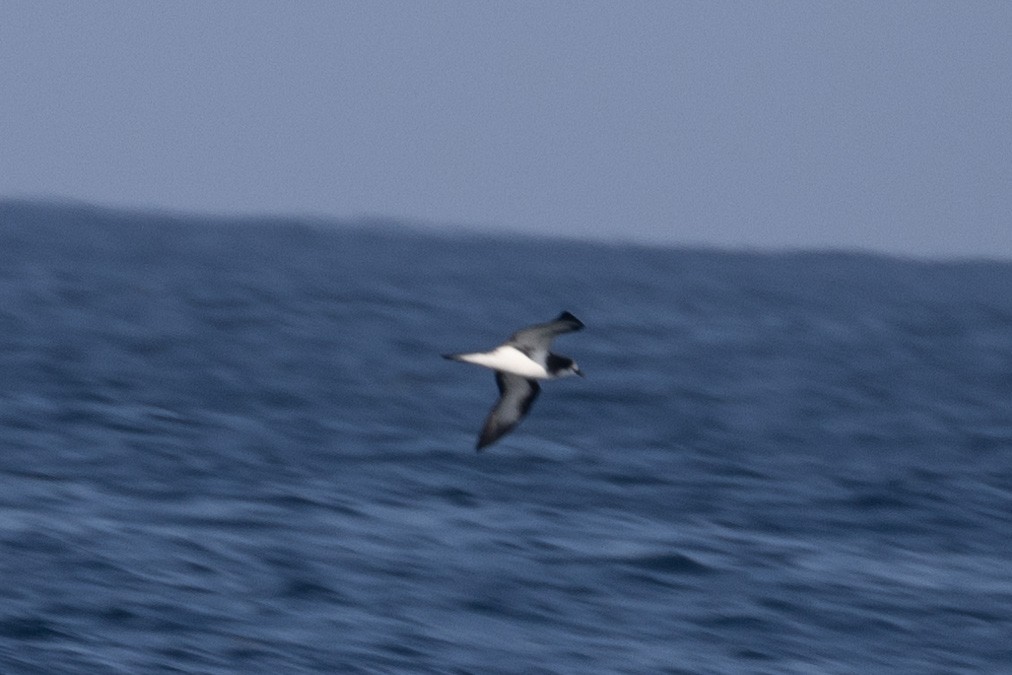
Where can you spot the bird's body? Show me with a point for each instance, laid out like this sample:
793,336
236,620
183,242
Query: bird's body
508,359
518,364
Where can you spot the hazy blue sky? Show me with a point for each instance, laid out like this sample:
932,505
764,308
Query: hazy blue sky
882,125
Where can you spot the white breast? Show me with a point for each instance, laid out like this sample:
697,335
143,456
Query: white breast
509,360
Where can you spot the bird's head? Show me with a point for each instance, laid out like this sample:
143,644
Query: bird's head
570,369
561,366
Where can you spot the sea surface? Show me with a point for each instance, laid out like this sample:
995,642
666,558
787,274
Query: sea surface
231,446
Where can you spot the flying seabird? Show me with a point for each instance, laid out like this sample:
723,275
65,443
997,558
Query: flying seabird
518,364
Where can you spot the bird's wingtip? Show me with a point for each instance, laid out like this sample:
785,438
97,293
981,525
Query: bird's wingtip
568,316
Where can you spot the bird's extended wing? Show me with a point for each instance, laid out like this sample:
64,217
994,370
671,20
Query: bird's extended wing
535,340
516,394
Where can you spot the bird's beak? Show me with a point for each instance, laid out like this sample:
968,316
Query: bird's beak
579,372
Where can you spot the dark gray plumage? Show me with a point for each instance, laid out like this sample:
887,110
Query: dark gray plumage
516,394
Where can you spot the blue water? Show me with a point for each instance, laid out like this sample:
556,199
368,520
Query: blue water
232,447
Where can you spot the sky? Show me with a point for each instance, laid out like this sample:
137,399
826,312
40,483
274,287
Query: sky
883,126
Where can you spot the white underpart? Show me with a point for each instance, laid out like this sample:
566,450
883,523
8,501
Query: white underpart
509,360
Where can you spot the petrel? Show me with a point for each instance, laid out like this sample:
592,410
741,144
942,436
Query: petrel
518,364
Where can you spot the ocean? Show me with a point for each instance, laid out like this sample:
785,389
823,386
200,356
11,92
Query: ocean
231,446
